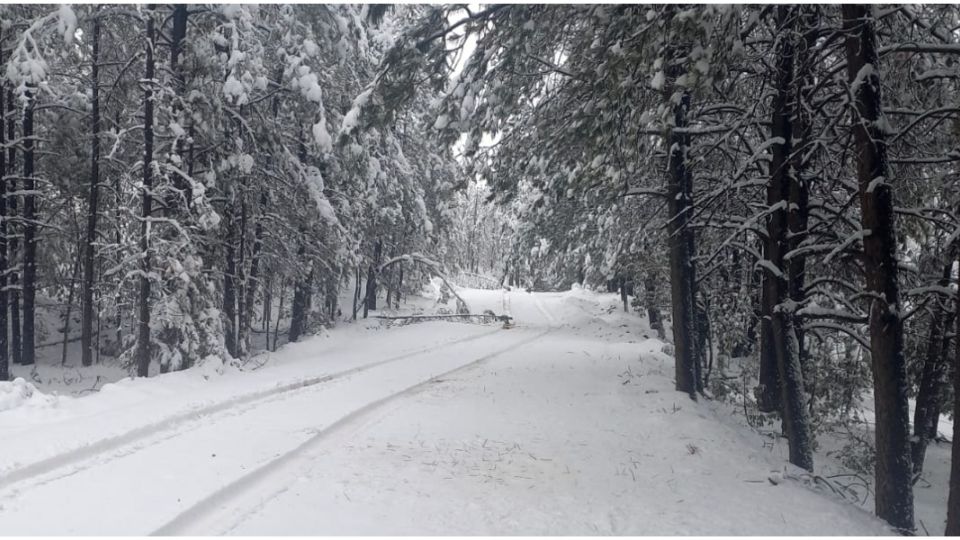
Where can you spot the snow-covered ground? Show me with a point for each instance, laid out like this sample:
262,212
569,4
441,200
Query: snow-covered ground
565,424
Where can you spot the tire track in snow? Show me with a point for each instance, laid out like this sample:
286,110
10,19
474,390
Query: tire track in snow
207,513
64,459
551,321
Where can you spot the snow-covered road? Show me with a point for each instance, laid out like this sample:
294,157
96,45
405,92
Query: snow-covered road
565,424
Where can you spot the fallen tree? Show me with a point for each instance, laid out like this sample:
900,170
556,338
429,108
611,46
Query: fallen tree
435,268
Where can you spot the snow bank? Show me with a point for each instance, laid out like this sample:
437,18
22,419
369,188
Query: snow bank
19,393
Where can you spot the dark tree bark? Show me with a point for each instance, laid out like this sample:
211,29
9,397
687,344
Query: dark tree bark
370,303
768,392
29,235
253,278
399,284
13,246
953,500
143,323
389,286
356,294
230,282
177,36
681,241
623,294
780,308
300,307
799,196
267,310
242,277
302,286
894,490
926,414
276,327
4,344
118,295
74,275
93,207
653,310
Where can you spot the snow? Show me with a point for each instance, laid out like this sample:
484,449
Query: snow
177,130
565,424
310,87
352,118
314,181
658,81
322,136
18,393
66,23
442,122
232,11
233,88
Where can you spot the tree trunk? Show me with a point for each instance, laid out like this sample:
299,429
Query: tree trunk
623,294
371,299
768,392
143,323
13,246
680,240
300,307
29,236
177,37
242,284
276,328
399,284
953,500
356,295
267,308
926,415
653,310
799,196
894,490
69,311
389,299
86,314
780,307
254,275
118,295
230,283
4,345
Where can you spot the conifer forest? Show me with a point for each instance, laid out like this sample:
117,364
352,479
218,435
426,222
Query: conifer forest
485,269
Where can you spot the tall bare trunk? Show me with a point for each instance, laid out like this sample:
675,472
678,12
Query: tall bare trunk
370,303
253,278
143,323
680,240
624,299
13,245
356,294
953,500
118,295
300,306
654,318
178,35
4,345
276,328
926,415
86,314
28,353
230,282
780,307
894,490
68,313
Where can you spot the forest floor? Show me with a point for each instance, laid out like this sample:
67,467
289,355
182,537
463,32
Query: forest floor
565,424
